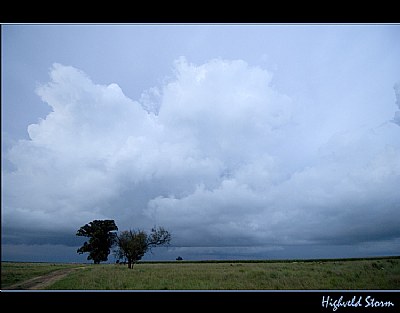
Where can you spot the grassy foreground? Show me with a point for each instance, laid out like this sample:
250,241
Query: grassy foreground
12,273
365,274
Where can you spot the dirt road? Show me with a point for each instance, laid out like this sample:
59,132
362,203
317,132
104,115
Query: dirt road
41,282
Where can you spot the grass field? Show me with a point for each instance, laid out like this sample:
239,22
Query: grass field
12,273
361,274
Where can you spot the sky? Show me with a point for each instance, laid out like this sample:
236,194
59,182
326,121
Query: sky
245,141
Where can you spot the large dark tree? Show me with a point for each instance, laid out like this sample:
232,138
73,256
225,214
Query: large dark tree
133,244
101,238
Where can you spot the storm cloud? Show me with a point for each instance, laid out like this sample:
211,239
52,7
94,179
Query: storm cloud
216,153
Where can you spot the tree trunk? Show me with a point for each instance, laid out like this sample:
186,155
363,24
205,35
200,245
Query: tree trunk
129,264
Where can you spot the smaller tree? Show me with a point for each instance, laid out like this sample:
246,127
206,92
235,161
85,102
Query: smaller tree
133,244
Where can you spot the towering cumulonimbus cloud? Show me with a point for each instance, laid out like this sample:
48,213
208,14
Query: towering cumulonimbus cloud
214,154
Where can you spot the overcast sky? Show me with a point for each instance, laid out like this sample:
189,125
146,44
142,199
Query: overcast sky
244,141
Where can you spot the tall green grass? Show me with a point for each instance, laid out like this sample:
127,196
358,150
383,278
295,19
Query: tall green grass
369,274
16,272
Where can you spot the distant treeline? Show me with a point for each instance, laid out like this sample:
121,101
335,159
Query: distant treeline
228,261
273,261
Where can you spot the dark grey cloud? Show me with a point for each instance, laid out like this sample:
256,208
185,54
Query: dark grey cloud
16,236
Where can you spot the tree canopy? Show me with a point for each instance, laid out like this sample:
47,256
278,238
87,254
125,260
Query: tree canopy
133,244
101,238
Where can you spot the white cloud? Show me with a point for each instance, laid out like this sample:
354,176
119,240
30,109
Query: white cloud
212,154
221,104
396,118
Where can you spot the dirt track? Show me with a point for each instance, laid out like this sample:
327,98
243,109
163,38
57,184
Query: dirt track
41,282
